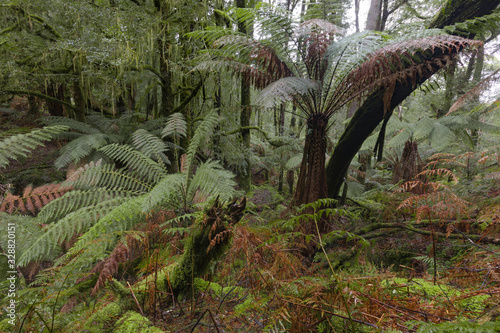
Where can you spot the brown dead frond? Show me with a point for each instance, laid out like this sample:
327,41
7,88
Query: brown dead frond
407,61
33,199
475,91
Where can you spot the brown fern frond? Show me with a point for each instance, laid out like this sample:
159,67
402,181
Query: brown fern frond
441,172
33,199
122,253
406,62
475,91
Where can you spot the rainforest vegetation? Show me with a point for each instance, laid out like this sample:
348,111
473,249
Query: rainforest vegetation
244,166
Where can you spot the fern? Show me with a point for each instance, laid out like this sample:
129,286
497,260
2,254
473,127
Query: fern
204,130
27,229
33,199
176,127
82,147
150,145
77,199
213,181
103,234
71,224
21,145
108,176
134,160
169,192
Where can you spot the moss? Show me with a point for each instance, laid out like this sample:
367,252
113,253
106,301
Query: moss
437,291
6,327
132,322
104,319
202,285
464,327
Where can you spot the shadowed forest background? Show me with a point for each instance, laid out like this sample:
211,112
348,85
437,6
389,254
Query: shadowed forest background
244,166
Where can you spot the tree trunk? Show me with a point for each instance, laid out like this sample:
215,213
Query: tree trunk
371,112
245,115
57,92
374,15
311,184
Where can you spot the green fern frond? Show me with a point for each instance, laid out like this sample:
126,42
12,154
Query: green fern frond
135,161
26,230
287,89
76,150
424,128
204,130
169,192
104,233
476,25
440,136
294,162
212,180
77,199
21,145
72,124
71,224
109,177
102,123
176,126
150,145
402,137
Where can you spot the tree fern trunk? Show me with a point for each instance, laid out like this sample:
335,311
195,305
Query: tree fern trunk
311,184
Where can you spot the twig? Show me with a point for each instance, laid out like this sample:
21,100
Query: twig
133,295
475,244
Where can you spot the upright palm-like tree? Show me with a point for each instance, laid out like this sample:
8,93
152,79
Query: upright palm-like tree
309,65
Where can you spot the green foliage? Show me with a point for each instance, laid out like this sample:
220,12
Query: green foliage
21,145
460,327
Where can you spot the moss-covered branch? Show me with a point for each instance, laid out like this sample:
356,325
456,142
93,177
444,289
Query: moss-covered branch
42,96
372,230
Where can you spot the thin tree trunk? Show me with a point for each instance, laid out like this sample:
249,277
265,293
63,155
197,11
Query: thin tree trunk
245,115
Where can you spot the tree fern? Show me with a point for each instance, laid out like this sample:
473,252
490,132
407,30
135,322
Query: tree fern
21,145
77,199
27,230
175,127
135,161
213,181
82,147
150,145
74,223
107,176
103,233
202,133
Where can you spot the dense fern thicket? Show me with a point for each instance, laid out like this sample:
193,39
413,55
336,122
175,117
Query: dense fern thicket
125,159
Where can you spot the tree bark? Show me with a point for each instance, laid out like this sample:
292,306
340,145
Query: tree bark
311,184
245,179
371,112
374,15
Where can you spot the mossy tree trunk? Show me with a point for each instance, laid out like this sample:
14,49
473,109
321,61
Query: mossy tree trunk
371,112
209,240
245,178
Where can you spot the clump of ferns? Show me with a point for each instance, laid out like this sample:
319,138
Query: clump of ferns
432,199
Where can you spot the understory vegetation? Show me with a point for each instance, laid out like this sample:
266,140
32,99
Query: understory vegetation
249,167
